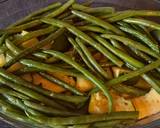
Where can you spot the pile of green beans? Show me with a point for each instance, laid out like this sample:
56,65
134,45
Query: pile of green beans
98,39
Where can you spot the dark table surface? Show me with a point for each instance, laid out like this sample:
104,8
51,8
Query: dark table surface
11,10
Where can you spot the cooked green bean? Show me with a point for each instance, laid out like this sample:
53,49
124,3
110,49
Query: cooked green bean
3,49
61,9
116,44
35,13
73,99
130,90
142,37
85,119
91,59
135,73
142,55
97,21
61,83
19,28
49,68
34,34
48,110
85,72
86,38
143,22
30,93
4,90
34,47
86,9
92,28
2,39
78,49
113,123
118,52
132,43
133,13
15,50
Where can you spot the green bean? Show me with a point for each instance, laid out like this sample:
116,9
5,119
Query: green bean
118,52
19,28
142,37
72,99
86,9
3,49
133,13
113,123
20,117
85,119
135,73
61,9
130,90
14,84
2,38
86,38
98,22
61,83
4,105
48,110
116,44
142,55
48,68
34,34
92,28
132,43
15,50
4,90
144,22
91,59
34,47
152,81
84,72
35,13
79,50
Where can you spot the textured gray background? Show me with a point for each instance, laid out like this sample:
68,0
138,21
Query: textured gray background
11,10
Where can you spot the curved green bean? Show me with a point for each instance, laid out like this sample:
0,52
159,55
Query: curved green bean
86,38
91,59
84,72
132,43
143,22
35,13
142,37
61,83
78,49
61,9
97,21
133,13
